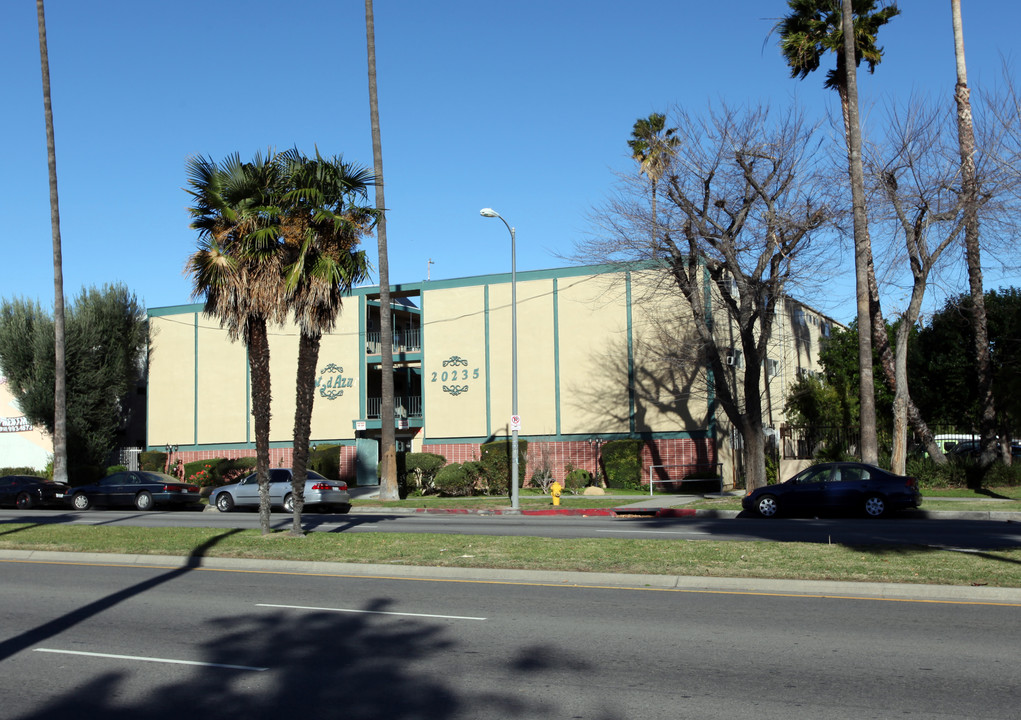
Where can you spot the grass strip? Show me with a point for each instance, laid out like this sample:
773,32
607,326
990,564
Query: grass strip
802,561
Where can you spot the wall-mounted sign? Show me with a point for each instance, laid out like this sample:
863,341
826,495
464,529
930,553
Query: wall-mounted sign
455,370
15,424
331,382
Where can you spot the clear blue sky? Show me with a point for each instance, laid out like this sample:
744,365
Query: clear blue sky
521,106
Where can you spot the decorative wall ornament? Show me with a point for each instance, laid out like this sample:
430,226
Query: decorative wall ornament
455,390
455,360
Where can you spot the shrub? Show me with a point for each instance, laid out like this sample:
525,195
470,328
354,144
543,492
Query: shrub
201,472
232,469
577,479
622,460
496,463
116,469
152,460
22,471
453,481
325,460
420,470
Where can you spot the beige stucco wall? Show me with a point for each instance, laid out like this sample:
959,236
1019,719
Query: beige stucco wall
593,355
171,414
338,381
222,373
536,377
455,342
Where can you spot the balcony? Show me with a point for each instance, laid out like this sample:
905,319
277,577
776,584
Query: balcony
406,341
404,407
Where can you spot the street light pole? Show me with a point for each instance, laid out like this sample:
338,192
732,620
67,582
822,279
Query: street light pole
515,420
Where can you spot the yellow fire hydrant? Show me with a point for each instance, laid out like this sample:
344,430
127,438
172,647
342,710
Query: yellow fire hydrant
555,490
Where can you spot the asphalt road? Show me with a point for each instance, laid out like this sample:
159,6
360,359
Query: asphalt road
119,643
966,534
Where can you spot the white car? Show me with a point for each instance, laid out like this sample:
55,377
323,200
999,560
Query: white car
320,493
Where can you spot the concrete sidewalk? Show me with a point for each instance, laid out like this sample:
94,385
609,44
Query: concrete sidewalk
661,506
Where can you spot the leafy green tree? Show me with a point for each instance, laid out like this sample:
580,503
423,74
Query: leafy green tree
106,345
812,29
237,268
943,371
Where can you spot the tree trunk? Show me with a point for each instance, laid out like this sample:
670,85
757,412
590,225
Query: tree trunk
862,248
60,364
308,358
898,460
258,364
388,471
969,188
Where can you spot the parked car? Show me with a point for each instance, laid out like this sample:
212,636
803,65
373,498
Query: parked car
319,493
972,448
836,487
27,491
141,489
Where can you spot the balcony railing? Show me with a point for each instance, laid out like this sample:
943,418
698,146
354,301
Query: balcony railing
406,341
404,407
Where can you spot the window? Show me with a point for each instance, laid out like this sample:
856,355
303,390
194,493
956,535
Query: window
772,367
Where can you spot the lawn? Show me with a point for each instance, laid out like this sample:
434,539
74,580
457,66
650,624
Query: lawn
898,564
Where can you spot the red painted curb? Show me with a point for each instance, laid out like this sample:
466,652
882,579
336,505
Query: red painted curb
676,512
593,511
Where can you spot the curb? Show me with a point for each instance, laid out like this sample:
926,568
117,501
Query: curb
682,583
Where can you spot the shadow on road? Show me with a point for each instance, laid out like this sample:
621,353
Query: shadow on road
35,635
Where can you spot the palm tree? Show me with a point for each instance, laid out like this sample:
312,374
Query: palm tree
239,272
652,146
320,225
812,29
388,468
972,249
60,364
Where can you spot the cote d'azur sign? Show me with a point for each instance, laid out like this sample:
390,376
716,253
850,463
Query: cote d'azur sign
456,370
331,382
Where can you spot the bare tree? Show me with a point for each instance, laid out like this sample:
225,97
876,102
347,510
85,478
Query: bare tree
913,177
60,383
742,200
388,470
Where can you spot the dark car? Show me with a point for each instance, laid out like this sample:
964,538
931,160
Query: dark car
971,449
141,489
834,488
28,491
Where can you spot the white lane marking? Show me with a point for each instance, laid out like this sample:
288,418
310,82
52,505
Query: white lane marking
140,658
369,612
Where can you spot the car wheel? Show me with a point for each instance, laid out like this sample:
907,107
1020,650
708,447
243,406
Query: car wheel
81,502
224,502
24,501
767,506
875,506
344,509
143,501
289,503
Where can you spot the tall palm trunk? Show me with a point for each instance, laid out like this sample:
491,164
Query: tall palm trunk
308,359
972,251
862,246
257,340
388,471
60,382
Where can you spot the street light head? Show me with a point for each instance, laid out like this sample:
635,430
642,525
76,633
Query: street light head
488,212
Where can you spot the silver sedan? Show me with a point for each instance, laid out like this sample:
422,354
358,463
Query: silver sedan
319,493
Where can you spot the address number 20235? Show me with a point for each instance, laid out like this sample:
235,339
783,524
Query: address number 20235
451,375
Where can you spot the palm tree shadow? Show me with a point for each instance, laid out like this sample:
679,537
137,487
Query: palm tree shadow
322,665
58,625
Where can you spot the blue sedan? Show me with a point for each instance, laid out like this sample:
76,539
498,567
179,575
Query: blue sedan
834,488
142,490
